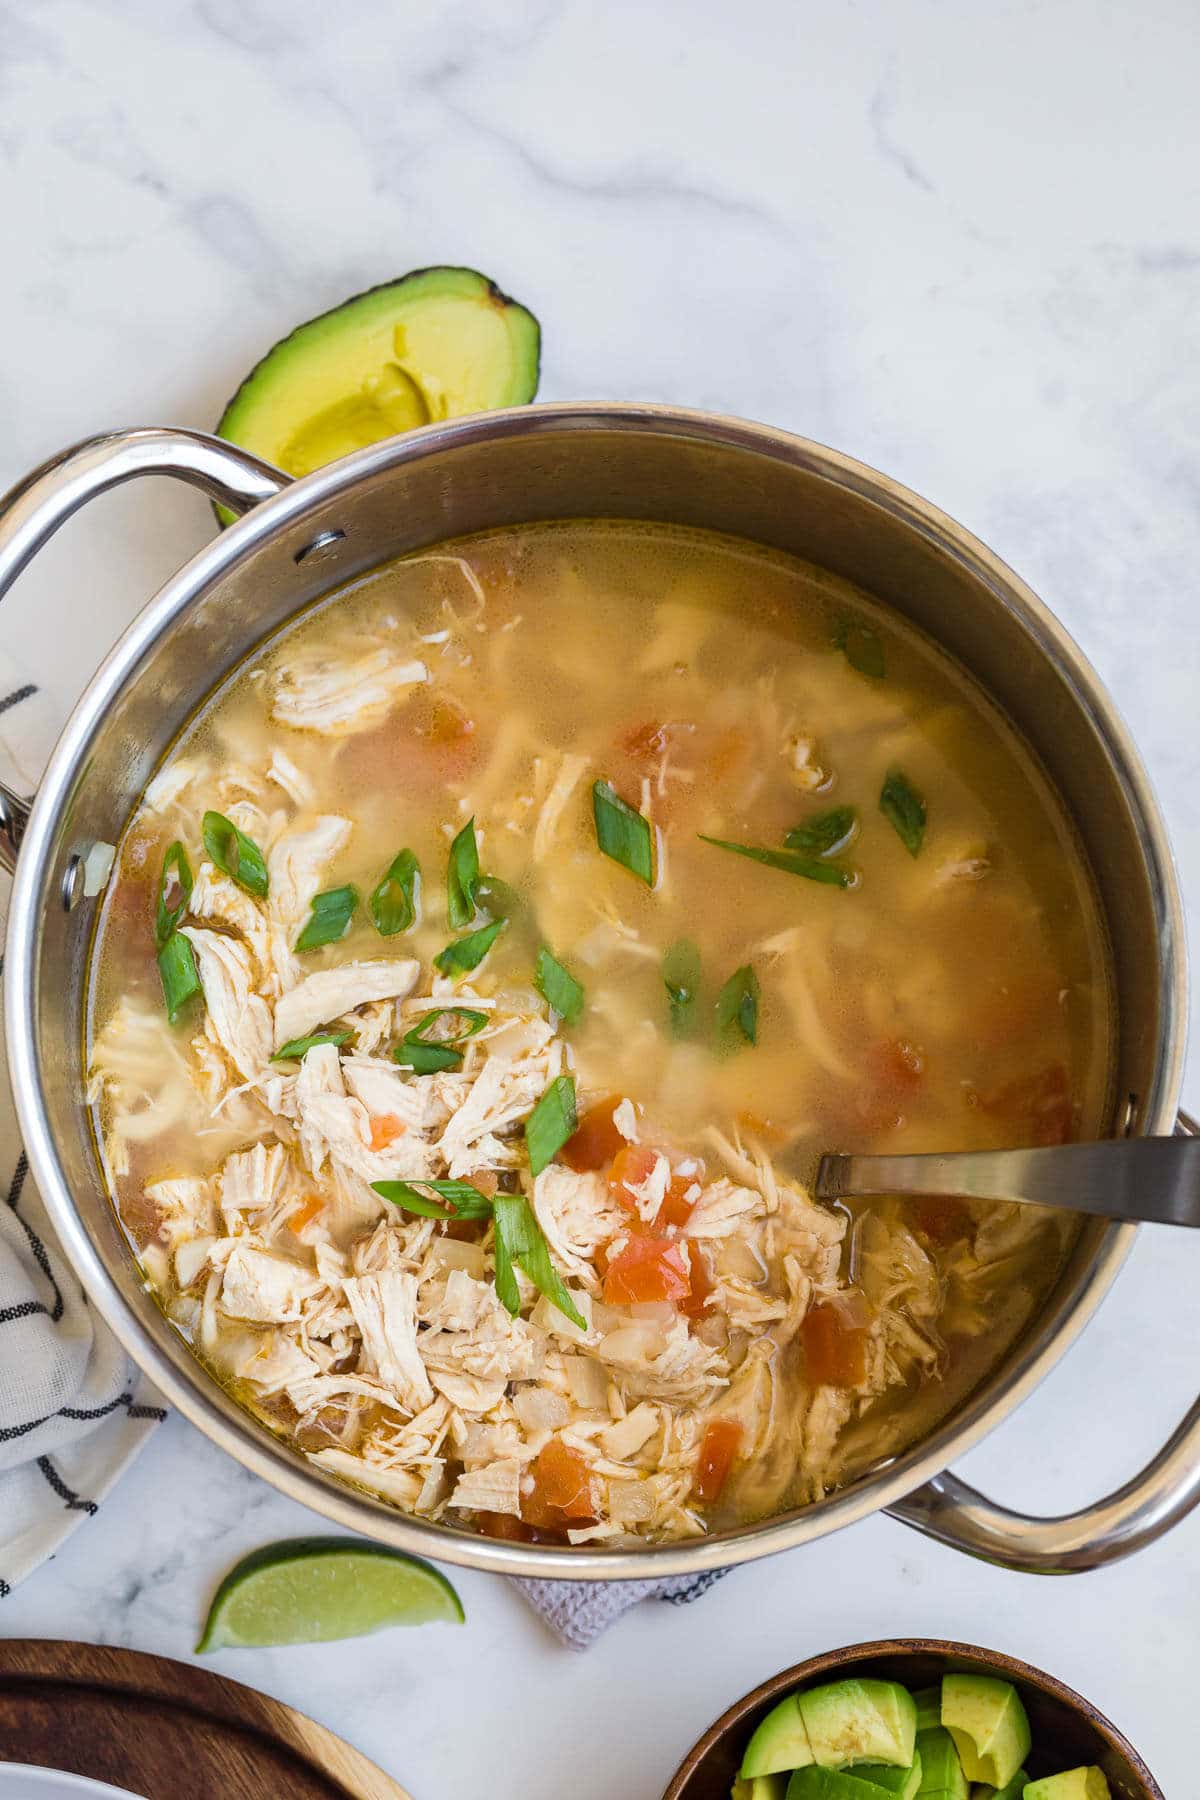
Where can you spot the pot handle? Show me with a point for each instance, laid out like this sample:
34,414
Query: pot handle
32,512
1125,1521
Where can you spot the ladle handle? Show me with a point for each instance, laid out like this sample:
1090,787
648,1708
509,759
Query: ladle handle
1157,1498
32,512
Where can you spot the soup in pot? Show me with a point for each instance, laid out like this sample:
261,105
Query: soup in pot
484,971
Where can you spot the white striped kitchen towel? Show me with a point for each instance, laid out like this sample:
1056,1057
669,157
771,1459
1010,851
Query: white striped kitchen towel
73,1412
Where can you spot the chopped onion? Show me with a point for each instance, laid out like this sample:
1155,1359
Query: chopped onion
587,1380
455,1255
540,1409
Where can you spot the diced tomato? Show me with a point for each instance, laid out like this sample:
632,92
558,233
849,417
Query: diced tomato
305,1213
676,1208
596,1140
721,1443
648,1269
1039,1107
562,1488
505,1526
448,723
942,1221
385,1129
697,1302
632,1166
836,1335
646,742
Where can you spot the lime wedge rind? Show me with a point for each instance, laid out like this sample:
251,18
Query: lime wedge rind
318,1589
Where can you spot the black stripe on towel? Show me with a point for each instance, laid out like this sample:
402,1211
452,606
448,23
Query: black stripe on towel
28,1309
700,1586
35,1243
18,694
148,1412
5,1590
94,1412
67,1495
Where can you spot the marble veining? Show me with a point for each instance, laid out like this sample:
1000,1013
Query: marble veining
962,243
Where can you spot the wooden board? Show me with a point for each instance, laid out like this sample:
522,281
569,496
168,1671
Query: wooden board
167,1730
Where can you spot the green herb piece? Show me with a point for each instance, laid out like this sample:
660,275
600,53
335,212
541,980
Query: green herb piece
497,899
425,1051
298,1048
393,904
180,977
234,853
737,1008
459,1200
681,978
904,809
329,918
468,952
519,1241
507,1291
826,833
551,1123
177,868
558,987
792,862
622,832
861,648
462,877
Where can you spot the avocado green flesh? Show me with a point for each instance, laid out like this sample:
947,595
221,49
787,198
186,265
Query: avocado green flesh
852,1722
760,1787
434,345
780,1743
942,1775
987,1721
1014,1791
928,1702
1076,1784
815,1783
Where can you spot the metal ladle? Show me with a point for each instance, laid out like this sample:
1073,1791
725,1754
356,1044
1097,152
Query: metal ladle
1150,1180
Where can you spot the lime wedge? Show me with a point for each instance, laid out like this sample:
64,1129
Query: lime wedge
309,1590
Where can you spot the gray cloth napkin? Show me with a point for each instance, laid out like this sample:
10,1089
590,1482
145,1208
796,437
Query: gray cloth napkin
72,1410
578,1611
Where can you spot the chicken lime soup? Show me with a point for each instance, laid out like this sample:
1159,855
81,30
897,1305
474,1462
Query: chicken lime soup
481,976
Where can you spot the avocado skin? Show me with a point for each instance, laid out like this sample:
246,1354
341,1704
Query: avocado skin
257,415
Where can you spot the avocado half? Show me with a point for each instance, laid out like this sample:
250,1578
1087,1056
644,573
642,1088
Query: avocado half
433,345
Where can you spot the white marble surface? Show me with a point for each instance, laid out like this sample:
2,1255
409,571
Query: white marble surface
959,241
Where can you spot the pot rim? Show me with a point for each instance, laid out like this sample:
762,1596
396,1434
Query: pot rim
184,1380
851,1654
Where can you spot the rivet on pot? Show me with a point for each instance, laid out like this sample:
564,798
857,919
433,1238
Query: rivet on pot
72,883
321,543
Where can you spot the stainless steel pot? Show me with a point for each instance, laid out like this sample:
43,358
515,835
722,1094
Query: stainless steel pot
298,540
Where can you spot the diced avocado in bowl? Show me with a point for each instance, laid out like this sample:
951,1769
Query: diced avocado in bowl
988,1723
942,1775
928,1702
434,344
816,1783
1076,1784
760,1787
856,1721
779,1744
1015,1790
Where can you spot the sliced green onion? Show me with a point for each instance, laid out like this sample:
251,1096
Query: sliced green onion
459,1200
234,853
903,807
426,1054
497,899
861,648
393,904
558,987
329,918
298,1048
175,867
792,862
180,977
681,978
519,1241
468,952
551,1123
737,1008
462,877
622,832
507,1291
826,833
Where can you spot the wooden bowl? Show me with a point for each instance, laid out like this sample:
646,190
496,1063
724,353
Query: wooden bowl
1067,1729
